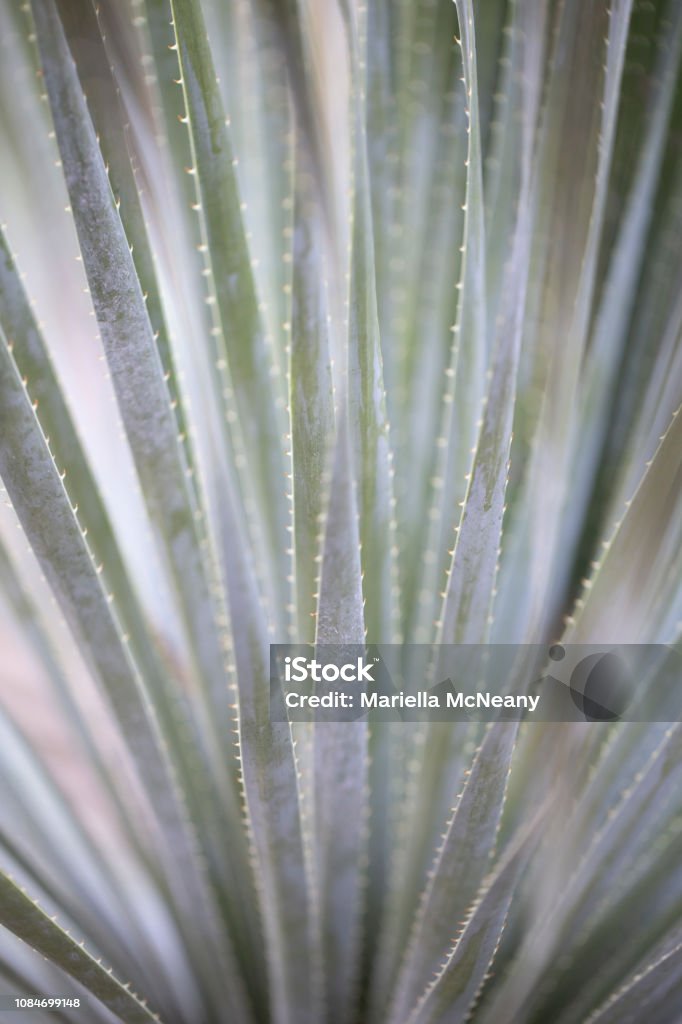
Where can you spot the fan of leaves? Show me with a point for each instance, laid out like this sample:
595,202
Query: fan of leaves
335,322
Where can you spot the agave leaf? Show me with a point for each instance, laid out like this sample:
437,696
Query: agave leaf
625,749
620,585
251,65
469,358
366,397
382,173
651,58
450,997
647,916
179,731
311,400
424,66
78,879
22,606
626,259
293,32
25,918
492,30
102,93
614,314
311,407
33,363
616,901
340,751
134,362
418,304
459,868
632,745
575,144
34,813
508,160
186,231
415,158
440,754
341,769
340,618
649,802
34,484
467,605
89,883
644,993
269,775
505,143
157,39
610,848
415,420
471,316
251,76
245,346
660,401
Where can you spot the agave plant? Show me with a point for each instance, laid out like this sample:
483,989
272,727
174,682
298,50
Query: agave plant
335,322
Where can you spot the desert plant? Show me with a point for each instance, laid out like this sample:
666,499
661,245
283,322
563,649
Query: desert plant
335,322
